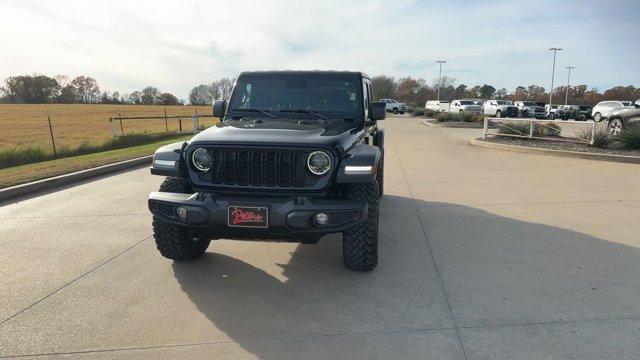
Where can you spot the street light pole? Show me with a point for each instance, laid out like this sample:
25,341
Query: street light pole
440,77
566,95
553,71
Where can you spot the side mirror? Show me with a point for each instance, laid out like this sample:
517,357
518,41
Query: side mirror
219,108
378,111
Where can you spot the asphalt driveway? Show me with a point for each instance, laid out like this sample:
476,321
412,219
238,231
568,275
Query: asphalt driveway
484,254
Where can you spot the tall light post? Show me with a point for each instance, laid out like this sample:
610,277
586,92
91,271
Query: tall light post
553,72
566,95
440,77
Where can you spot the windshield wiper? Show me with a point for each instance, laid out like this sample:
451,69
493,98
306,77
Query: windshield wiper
305,111
261,111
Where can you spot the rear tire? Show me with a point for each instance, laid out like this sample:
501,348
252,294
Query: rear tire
380,175
498,114
615,127
360,243
173,241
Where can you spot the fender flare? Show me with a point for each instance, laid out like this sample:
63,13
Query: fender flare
360,165
168,161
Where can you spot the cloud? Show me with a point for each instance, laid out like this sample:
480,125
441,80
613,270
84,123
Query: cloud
126,45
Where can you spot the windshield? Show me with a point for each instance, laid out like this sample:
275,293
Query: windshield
504,102
327,94
466,102
529,103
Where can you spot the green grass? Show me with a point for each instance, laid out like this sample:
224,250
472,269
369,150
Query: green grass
26,173
27,155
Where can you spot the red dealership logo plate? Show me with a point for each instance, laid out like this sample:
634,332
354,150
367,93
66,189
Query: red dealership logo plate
248,216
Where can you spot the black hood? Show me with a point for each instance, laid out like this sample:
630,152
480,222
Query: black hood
281,132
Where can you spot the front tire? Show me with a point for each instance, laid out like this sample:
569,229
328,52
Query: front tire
597,117
360,243
394,111
176,242
615,127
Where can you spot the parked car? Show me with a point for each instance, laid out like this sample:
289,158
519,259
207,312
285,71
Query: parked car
465,106
603,109
394,106
541,103
624,118
553,111
437,106
281,164
500,108
529,109
479,102
576,112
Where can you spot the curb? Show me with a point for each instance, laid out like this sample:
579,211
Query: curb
66,179
559,153
443,125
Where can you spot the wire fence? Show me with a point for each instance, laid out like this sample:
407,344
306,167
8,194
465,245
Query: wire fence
55,128
552,130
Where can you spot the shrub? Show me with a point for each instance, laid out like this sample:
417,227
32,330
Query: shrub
417,111
514,128
430,113
601,138
546,129
21,155
630,138
478,119
460,117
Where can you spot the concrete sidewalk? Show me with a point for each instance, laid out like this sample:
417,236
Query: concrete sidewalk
484,254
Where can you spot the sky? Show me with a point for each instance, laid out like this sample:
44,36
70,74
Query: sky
127,45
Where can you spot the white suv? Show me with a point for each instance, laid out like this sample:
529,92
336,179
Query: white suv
603,109
500,108
394,106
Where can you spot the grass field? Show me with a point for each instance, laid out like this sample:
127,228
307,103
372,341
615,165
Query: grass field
25,173
26,125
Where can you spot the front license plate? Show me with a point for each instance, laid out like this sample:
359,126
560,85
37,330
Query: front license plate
248,216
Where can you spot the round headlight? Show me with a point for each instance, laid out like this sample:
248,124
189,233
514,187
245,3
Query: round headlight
319,162
202,160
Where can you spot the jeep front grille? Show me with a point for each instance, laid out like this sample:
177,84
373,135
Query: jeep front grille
250,167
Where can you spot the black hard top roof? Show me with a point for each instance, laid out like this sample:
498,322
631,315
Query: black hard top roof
304,72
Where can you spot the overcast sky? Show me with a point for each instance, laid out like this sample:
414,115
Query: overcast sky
176,45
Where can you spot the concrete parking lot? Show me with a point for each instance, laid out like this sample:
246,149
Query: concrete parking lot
484,254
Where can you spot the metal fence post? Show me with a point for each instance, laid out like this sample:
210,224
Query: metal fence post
485,128
166,126
121,128
113,130
180,123
593,133
531,129
53,141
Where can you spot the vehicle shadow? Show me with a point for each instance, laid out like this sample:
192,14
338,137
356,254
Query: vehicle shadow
495,270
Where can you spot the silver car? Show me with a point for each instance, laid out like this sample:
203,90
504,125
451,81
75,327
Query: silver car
603,109
624,118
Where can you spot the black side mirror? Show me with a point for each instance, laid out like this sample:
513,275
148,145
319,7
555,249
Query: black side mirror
219,108
378,111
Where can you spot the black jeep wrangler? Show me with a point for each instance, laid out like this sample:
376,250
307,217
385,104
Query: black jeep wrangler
296,155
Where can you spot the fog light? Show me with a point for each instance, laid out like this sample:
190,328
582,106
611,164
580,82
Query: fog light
181,213
321,218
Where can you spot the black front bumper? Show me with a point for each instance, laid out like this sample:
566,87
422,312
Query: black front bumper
288,217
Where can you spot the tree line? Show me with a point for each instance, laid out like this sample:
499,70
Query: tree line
41,89
416,92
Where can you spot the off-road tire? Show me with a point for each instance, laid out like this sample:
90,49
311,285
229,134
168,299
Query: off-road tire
360,243
173,241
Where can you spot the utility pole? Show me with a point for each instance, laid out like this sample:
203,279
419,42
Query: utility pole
440,77
553,72
566,95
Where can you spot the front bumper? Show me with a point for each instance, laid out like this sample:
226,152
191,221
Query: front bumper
288,217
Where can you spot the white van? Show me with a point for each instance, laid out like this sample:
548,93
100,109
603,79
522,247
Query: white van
437,106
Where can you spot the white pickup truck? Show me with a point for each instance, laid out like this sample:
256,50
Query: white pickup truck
466,107
394,106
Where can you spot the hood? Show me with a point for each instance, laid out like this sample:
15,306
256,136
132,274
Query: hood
471,107
277,132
